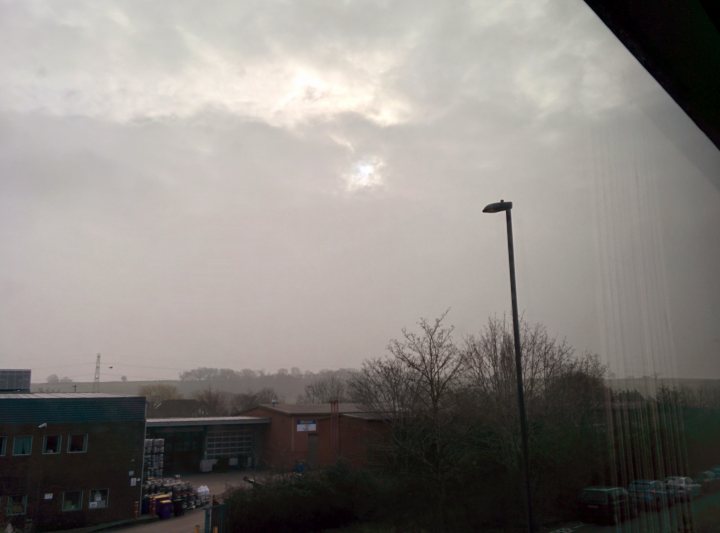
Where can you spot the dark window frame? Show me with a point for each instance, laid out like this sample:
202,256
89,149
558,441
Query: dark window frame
59,445
70,440
10,498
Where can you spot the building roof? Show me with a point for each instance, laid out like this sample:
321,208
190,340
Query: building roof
207,421
383,417
77,408
314,409
61,395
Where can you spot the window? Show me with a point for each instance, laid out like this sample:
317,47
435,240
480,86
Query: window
98,499
16,505
3,445
77,443
22,445
72,500
51,444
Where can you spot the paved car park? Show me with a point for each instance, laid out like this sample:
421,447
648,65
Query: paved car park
218,483
666,520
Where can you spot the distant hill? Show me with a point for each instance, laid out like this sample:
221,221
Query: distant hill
288,389
287,386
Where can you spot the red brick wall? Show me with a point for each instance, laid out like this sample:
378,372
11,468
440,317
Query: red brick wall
360,437
113,450
283,446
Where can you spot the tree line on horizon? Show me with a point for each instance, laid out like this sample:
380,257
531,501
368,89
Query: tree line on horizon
225,392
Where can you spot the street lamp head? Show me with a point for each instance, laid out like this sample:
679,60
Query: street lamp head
497,207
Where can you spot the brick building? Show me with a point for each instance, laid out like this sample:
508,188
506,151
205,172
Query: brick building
69,460
318,435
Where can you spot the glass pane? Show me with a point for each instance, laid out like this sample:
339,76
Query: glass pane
16,505
22,445
98,499
52,444
72,500
300,191
77,443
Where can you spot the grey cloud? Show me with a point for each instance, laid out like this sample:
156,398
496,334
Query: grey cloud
434,58
214,236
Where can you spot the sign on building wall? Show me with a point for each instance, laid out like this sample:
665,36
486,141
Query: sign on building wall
306,425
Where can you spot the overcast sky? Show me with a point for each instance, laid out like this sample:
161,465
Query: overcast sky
267,184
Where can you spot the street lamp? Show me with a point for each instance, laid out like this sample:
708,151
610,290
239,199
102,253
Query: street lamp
498,207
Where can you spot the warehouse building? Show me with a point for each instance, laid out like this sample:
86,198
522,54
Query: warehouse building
69,459
320,434
209,443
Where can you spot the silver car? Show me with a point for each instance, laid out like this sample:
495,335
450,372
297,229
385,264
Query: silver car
682,487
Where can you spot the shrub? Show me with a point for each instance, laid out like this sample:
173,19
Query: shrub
329,498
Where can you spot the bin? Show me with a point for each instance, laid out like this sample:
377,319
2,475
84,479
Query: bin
145,509
164,509
178,507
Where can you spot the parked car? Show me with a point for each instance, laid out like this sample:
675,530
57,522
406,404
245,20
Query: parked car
605,505
705,477
681,487
648,494
711,484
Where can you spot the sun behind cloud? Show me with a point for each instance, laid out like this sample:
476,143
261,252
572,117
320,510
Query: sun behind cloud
365,174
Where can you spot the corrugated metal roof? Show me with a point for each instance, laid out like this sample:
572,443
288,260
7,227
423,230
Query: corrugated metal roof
314,409
207,421
56,408
369,416
43,395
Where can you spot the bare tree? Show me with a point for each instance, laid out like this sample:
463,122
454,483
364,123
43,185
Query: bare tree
489,364
248,400
415,386
156,394
207,374
325,389
384,386
432,360
53,379
453,412
564,395
212,402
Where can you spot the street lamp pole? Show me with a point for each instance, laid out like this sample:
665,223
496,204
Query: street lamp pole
498,207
